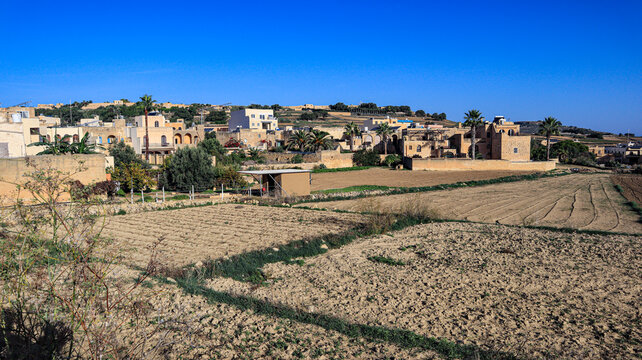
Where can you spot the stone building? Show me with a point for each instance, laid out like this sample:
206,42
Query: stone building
499,140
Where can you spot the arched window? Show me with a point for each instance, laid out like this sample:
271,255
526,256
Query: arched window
100,140
75,137
418,148
163,140
511,132
111,139
155,123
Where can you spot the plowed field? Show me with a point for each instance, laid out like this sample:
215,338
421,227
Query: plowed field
525,292
195,234
578,201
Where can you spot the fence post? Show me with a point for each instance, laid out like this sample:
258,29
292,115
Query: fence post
163,194
222,186
142,196
131,197
192,192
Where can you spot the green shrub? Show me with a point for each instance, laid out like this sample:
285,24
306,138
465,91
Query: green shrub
366,158
392,160
179,197
121,212
386,260
297,159
188,167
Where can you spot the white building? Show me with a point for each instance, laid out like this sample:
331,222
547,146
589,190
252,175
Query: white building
154,119
253,119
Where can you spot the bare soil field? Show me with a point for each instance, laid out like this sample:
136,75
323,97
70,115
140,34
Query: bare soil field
182,326
196,234
401,178
581,201
525,292
632,186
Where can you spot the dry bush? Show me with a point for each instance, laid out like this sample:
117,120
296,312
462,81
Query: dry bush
418,209
379,219
63,291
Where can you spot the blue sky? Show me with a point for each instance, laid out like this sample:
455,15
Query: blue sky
580,61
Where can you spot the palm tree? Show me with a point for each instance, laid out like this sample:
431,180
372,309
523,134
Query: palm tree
473,120
318,140
351,130
148,104
384,131
550,126
297,140
83,146
55,147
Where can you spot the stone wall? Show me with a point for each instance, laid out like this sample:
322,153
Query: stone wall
12,171
467,164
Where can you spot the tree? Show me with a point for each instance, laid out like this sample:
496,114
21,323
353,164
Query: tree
351,130
420,113
366,158
217,117
473,120
550,126
56,147
297,140
147,104
189,167
318,140
124,155
384,131
133,175
83,147
308,115
339,107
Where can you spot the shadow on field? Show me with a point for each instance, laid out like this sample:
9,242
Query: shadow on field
399,337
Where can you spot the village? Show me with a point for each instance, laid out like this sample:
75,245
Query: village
339,231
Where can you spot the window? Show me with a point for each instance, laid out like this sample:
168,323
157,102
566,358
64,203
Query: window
252,116
100,139
155,123
262,117
164,140
515,150
34,131
418,148
511,132
409,147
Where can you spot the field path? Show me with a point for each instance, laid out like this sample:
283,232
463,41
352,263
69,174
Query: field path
581,201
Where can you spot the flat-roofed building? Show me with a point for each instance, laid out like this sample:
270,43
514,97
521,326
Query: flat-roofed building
260,119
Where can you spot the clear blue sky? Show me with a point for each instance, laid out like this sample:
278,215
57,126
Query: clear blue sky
580,61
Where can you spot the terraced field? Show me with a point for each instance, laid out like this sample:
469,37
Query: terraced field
581,201
195,234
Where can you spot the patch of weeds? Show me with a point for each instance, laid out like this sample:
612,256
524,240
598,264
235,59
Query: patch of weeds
386,260
299,262
356,188
247,266
409,247
121,212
